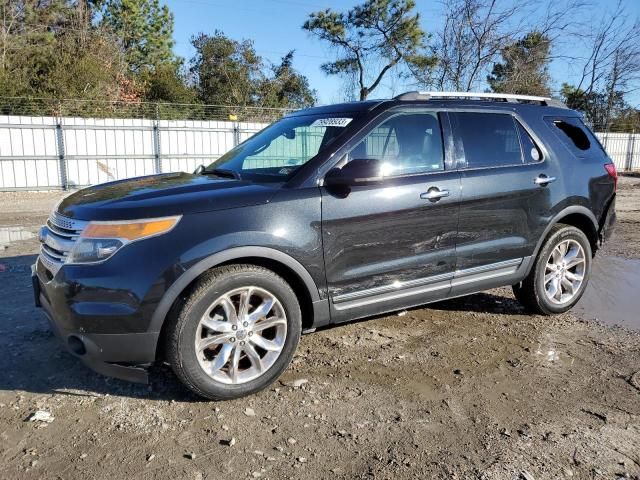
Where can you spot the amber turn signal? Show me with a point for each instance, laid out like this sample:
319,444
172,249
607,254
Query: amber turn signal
130,230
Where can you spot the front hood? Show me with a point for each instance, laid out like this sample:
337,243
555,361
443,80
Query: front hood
162,195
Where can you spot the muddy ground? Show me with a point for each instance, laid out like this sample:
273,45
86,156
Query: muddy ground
470,388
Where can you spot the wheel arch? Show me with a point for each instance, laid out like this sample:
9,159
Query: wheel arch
280,263
576,216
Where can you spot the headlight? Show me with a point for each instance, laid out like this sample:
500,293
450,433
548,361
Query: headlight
101,240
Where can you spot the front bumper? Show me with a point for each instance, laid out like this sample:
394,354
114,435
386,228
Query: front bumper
119,355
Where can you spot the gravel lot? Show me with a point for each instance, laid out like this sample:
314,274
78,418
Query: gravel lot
470,388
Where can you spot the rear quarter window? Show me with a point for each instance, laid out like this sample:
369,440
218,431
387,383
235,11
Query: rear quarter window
575,135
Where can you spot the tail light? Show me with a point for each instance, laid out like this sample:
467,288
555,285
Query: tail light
613,173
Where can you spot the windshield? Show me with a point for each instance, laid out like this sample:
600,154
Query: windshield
274,153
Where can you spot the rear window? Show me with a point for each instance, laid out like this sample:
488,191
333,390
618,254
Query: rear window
574,133
488,139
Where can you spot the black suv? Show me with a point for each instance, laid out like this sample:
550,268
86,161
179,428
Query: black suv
330,214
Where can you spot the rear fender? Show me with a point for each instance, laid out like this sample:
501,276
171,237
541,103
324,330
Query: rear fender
575,209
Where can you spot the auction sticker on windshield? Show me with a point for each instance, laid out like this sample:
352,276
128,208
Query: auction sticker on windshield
331,122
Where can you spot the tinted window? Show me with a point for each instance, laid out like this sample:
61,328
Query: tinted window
405,144
488,139
574,133
531,152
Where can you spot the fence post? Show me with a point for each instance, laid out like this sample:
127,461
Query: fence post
632,149
156,142
236,134
62,162
305,147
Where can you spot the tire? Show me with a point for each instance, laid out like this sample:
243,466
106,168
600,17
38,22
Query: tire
535,295
217,301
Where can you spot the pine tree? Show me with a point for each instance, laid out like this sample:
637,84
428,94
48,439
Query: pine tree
371,39
144,29
524,67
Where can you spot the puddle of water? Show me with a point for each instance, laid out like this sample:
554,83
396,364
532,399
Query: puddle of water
613,296
14,234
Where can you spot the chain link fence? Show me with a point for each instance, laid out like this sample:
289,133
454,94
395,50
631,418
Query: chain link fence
78,108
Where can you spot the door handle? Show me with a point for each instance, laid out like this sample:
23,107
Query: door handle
543,180
434,193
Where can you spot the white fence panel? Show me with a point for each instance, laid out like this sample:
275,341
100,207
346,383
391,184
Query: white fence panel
623,148
38,153
185,144
102,150
28,153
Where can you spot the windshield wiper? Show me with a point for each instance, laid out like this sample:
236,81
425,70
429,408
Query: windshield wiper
222,172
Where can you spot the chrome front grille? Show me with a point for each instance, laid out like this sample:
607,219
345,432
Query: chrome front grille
57,238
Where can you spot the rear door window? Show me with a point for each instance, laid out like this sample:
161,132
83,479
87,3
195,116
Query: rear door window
488,139
530,151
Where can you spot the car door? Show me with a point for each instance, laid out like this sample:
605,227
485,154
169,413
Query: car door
506,195
392,243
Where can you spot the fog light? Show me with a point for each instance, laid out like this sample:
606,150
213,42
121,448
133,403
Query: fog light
76,345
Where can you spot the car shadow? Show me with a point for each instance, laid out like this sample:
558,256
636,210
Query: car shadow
484,302
35,361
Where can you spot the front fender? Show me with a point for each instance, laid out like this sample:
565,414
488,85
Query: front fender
236,253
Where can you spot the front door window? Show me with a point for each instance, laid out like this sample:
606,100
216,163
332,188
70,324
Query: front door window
404,144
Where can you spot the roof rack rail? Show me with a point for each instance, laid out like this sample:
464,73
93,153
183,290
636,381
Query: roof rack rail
501,97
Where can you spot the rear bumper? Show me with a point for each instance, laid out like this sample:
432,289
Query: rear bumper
121,355
607,225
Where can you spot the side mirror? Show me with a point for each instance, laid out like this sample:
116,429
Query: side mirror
199,169
357,172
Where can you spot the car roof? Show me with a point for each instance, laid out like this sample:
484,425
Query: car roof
480,101
349,107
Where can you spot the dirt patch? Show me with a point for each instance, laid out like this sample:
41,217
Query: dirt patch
626,241
469,388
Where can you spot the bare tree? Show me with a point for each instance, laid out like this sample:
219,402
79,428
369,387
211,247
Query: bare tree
613,62
611,68
475,32
9,13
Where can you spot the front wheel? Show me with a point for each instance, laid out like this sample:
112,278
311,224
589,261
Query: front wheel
560,274
236,332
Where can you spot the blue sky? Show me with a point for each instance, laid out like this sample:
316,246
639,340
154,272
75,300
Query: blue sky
275,28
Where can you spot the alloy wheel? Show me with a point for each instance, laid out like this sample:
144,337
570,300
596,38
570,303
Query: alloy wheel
241,335
564,272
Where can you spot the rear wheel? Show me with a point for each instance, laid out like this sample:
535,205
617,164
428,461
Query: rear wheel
236,333
560,274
